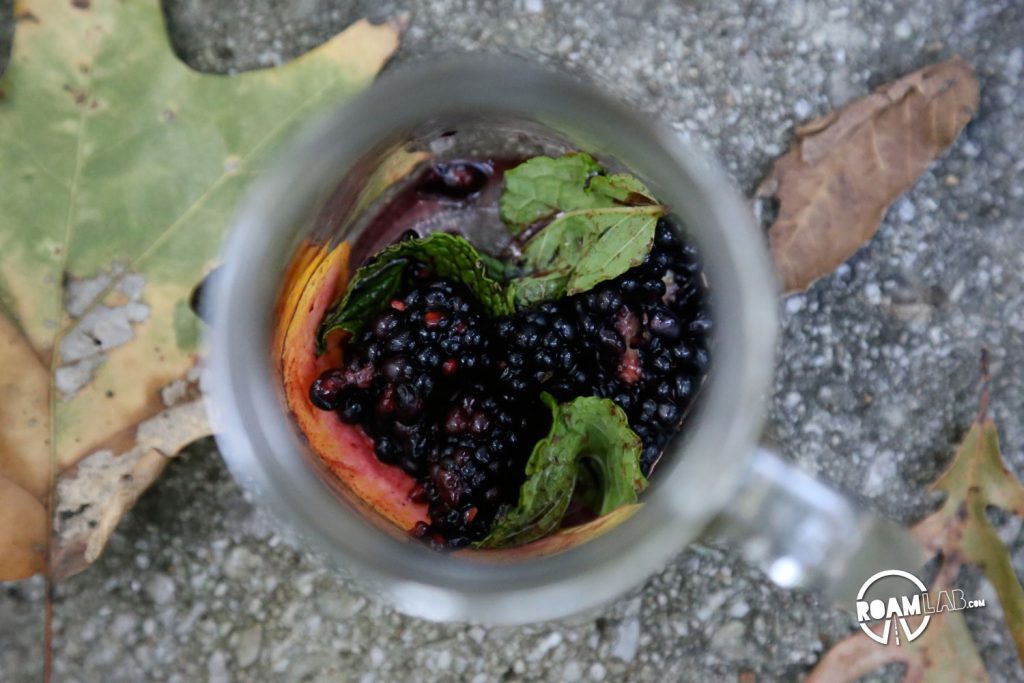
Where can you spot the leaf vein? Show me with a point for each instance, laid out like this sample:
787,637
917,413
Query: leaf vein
196,205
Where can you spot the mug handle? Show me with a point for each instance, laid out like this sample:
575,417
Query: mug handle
804,534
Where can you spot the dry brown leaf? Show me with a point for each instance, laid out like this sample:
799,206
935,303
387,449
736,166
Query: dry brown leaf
844,169
93,494
944,653
24,461
958,532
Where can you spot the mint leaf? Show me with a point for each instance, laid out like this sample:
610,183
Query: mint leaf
529,290
588,432
583,248
377,282
495,268
602,225
543,186
622,188
372,286
622,243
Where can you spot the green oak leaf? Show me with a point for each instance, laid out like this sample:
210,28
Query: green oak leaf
976,481
121,170
376,282
589,442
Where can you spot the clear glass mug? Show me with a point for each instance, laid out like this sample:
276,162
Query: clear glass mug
717,478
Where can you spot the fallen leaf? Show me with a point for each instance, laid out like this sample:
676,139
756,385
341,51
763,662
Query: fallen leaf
24,455
844,169
958,532
93,494
944,653
121,169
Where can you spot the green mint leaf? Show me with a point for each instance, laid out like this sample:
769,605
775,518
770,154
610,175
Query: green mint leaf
590,442
602,225
376,283
529,290
623,240
543,186
558,246
584,248
623,189
495,268
372,286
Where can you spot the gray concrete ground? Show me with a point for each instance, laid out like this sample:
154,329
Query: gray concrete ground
875,384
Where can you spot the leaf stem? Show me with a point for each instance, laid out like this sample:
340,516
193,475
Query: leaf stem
650,210
986,380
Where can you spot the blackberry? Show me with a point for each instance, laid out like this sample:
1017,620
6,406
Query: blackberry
455,179
407,359
483,446
541,350
416,382
670,348
640,339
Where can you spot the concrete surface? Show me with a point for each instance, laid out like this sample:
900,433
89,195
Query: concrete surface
875,385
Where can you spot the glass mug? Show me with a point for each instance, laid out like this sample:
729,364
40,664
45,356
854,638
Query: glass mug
715,476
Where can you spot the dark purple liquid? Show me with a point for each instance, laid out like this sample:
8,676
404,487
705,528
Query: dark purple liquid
426,206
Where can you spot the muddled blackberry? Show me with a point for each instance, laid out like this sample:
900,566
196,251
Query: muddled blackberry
665,326
405,384
452,397
484,442
455,179
407,359
640,340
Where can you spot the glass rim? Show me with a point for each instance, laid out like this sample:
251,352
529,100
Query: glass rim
259,441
